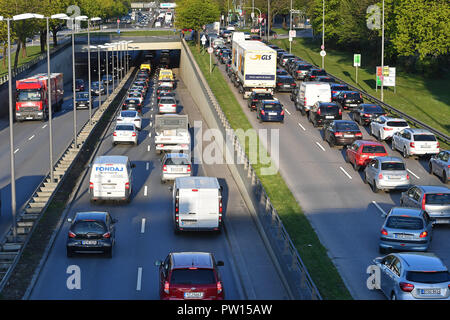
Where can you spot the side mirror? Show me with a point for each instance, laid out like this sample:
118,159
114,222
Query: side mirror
220,263
158,263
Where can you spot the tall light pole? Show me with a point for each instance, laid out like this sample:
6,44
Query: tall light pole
106,62
111,45
268,19
323,32
290,28
382,53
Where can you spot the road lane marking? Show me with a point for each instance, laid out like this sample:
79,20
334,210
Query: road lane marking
44,126
147,165
287,111
301,126
17,150
148,148
31,137
412,173
139,279
343,170
320,146
150,135
145,191
143,225
379,208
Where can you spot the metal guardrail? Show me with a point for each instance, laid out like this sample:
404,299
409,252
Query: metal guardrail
299,280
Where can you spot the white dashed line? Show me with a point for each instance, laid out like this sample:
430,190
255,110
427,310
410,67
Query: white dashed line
413,173
302,127
287,111
143,225
145,191
31,137
148,148
147,165
379,208
139,279
320,146
44,126
17,150
343,170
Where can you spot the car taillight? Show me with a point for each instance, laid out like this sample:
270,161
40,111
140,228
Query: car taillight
176,209
174,105
358,134
423,201
338,134
412,145
115,134
255,100
318,111
166,287
188,168
333,91
407,176
365,115
384,232
340,112
380,176
423,234
164,168
279,84
133,134
387,129
262,112
282,113
438,145
406,287
107,235
219,287
127,185
72,235
91,185
293,84
298,71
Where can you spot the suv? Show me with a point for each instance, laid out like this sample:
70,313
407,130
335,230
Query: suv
349,99
313,73
433,199
257,96
285,83
418,142
300,70
366,112
322,112
407,229
190,275
440,165
91,232
336,88
361,151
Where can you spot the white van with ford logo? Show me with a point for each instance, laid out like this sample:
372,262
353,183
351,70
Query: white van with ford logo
111,178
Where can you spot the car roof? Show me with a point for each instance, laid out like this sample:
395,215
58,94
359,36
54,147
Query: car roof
270,101
111,159
192,259
369,143
429,189
418,131
400,211
389,159
197,182
422,261
177,155
369,105
323,103
90,215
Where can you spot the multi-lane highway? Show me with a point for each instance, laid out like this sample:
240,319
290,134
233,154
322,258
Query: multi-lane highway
144,232
344,212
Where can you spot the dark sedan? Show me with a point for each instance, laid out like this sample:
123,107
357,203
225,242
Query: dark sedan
91,232
270,110
285,83
322,112
300,70
255,97
313,73
80,85
366,112
336,88
349,99
341,132
82,100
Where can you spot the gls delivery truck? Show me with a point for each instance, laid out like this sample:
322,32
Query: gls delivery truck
254,65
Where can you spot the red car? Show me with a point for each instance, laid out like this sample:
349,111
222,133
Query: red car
360,152
190,276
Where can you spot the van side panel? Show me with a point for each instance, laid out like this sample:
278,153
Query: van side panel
199,209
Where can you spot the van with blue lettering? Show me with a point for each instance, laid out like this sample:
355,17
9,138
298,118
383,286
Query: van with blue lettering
111,178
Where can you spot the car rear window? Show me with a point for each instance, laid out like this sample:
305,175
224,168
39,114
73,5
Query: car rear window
373,149
424,137
397,124
330,109
124,127
263,96
373,109
319,73
428,277
437,198
192,276
394,166
272,106
128,114
304,67
347,126
88,226
166,101
176,161
407,223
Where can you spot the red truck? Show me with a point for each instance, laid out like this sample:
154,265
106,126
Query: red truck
32,94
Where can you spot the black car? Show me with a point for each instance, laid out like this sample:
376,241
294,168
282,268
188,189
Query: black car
366,112
285,83
336,88
82,100
225,56
164,60
322,112
80,85
313,73
324,79
281,72
300,69
349,99
132,104
255,97
91,232
341,132
228,69
255,37
269,110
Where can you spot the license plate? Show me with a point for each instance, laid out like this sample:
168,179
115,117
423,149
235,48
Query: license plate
193,295
188,222
430,291
426,146
176,169
89,242
29,118
329,117
393,178
348,136
403,236
272,113
108,186
286,86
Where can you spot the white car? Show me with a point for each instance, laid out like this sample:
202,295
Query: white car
175,165
384,127
130,117
415,142
158,24
167,105
125,133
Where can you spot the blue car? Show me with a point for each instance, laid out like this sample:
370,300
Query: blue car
270,110
336,88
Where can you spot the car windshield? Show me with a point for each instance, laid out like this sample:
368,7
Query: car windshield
128,114
272,106
373,109
88,226
437,198
124,127
192,276
407,223
262,96
82,95
393,166
428,276
29,95
398,124
347,126
352,95
176,161
166,101
424,137
373,149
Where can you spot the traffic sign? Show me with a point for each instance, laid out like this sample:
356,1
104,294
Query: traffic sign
323,53
210,50
292,33
322,47
357,60
118,20
203,40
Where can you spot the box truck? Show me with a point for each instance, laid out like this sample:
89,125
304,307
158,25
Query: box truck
172,133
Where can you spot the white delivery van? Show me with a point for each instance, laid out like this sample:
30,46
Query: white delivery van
111,178
311,92
197,204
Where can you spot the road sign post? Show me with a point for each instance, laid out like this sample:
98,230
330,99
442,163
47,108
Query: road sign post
210,51
357,63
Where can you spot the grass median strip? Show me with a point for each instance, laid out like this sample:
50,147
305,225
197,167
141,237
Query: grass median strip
312,252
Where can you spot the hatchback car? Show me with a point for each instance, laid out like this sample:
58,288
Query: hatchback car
285,83
137,95
175,165
341,132
125,133
130,116
349,99
132,104
300,70
164,86
435,200
313,73
415,142
413,276
440,165
360,152
82,100
405,229
365,112
322,112
383,127
269,110
189,276
256,96
386,173
167,105
91,232
336,88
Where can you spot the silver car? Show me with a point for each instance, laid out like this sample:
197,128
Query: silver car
413,276
433,199
386,173
175,165
406,229
440,165
415,142
125,133
130,117
167,105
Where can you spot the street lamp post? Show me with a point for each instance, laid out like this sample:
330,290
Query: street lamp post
323,32
382,54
